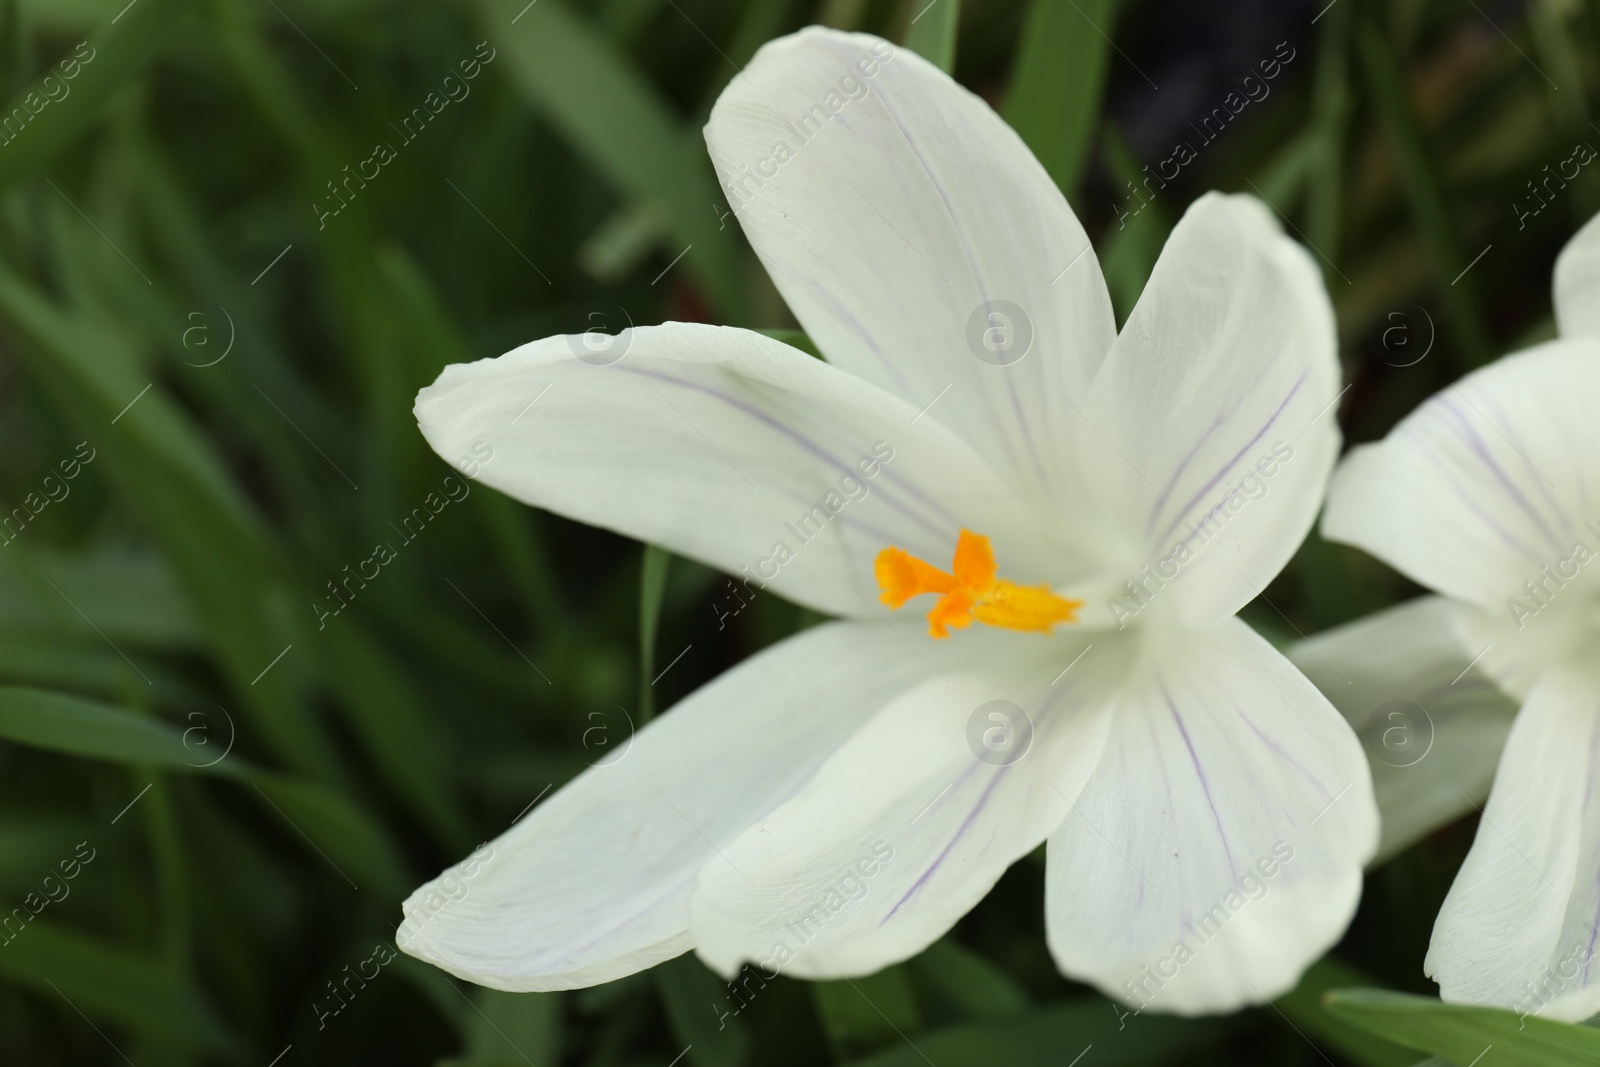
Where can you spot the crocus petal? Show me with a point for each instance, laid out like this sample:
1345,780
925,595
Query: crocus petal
725,446
1212,426
917,240
909,823
1485,485
1577,283
1216,851
594,883
1518,928
1431,721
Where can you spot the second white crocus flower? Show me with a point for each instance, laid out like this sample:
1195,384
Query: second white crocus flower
1079,514
1489,493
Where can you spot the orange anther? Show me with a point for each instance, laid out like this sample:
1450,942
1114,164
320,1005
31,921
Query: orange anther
971,592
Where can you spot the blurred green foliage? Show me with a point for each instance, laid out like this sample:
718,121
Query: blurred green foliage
195,295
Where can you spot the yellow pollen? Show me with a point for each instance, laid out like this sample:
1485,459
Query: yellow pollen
971,591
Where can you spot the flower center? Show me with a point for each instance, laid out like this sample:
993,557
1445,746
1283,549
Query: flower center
971,592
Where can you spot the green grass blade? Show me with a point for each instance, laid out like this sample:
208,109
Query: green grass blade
1059,81
1302,1009
1130,254
1330,112
703,1012
89,729
652,584
931,32
166,470
1052,1036
1425,195
1461,1033
614,118
980,989
110,983
116,52
92,730
875,1011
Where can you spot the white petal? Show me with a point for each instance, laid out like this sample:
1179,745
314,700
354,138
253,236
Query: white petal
1487,483
727,447
895,230
1216,851
1431,721
905,828
594,883
1518,928
1577,283
1213,430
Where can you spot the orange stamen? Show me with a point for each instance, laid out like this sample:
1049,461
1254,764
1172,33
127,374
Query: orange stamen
971,592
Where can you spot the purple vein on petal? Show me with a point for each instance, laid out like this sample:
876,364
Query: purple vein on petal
876,536
902,387
1278,750
790,432
1507,429
1177,475
1228,466
545,959
966,824
1205,784
879,92
1511,540
1475,442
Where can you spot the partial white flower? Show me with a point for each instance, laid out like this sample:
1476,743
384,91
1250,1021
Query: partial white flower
979,432
1405,679
1483,494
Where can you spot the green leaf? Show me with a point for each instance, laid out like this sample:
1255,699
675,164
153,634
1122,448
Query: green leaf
78,727
859,1014
703,1013
1060,78
1052,1037
1131,251
1548,20
1461,1033
1281,178
513,1029
133,598
932,31
166,469
1330,114
356,848
980,989
28,657
325,821
1426,196
106,982
652,583
1302,1009
116,52
614,118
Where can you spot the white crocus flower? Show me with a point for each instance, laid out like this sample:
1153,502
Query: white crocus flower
1489,493
837,802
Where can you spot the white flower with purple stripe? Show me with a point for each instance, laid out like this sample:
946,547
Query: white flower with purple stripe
1484,495
838,802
